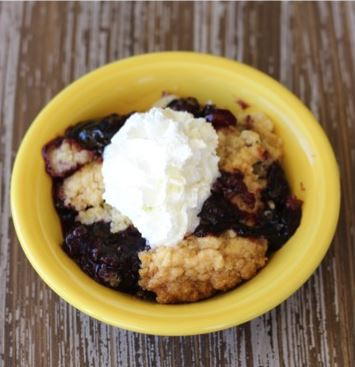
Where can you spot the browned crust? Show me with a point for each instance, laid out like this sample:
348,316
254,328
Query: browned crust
58,167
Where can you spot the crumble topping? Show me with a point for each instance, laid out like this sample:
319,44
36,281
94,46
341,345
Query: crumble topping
250,152
64,156
107,214
83,191
240,148
84,188
201,266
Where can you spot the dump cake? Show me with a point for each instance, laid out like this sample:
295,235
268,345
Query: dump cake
174,204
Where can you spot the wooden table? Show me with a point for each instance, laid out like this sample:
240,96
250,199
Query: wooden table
309,47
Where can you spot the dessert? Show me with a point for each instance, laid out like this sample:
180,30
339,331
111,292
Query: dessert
174,204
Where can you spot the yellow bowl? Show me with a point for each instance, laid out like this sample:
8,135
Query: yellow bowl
134,84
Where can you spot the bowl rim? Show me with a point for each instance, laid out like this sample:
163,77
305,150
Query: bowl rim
333,185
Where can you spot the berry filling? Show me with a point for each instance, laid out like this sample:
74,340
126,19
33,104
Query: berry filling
109,258
96,134
277,221
218,117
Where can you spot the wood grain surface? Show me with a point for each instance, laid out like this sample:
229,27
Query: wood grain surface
310,47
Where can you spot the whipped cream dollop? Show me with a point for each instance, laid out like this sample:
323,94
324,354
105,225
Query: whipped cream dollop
158,171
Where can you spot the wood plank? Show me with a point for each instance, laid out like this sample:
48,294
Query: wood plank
309,47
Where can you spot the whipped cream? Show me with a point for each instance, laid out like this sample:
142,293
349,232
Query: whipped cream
158,171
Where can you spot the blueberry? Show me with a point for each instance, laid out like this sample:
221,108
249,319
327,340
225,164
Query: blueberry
217,215
189,104
220,118
231,184
96,134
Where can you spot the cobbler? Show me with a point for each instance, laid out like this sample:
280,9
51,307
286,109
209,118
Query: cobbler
250,212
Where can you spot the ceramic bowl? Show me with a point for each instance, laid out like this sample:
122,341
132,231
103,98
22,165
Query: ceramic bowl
134,84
